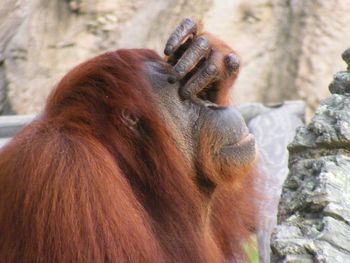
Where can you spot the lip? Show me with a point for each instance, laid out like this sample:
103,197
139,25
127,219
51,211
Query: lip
245,141
245,147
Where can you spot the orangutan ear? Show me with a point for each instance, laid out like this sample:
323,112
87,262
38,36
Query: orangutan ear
129,119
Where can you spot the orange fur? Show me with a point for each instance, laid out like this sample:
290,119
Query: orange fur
77,186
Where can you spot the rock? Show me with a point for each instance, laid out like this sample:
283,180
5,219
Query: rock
11,16
346,57
314,212
341,81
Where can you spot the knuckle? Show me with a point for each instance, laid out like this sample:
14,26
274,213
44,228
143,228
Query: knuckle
202,42
211,69
181,66
185,92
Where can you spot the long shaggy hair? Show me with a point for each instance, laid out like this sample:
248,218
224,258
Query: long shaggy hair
78,185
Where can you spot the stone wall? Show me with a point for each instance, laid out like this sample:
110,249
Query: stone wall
314,213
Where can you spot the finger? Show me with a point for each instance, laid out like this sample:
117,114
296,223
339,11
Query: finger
232,63
195,52
186,28
199,81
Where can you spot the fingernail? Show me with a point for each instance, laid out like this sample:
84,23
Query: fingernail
172,79
168,49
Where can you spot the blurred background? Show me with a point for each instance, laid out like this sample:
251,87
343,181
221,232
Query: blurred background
290,49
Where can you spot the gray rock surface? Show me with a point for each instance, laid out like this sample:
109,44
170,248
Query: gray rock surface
314,213
11,16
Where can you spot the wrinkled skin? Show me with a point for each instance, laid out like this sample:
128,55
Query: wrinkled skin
192,89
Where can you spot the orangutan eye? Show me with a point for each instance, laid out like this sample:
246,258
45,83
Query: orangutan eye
129,119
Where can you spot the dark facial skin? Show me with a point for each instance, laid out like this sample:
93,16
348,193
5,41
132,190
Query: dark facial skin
190,86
